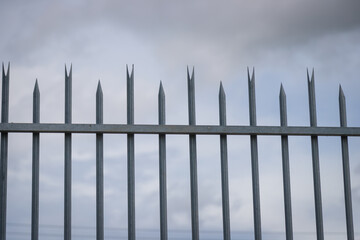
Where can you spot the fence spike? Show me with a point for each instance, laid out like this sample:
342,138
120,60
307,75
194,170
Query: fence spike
222,105
35,166
312,99
162,167
5,75
130,95
130,155
99,104
342,107
67,156
193,158
99,167
252,100
4,150
283,110
346,168
191,97
36,100
161,99
315,159
285,166
224,166
254,158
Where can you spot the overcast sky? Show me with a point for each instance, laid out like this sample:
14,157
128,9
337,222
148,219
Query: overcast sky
281,39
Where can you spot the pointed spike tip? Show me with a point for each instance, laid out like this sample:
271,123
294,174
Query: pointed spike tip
341,92
161,89
36,86
3,69
132,71
99,86
282,91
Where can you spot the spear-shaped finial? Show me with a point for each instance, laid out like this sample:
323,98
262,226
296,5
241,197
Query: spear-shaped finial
191,96
7,72
342,107
283,110
252,101
99,104
161,102
36,103
312,100
222,105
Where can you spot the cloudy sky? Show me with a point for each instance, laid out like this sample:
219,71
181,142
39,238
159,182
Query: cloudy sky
281,39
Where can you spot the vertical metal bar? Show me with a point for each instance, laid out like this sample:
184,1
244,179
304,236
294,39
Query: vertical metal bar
346,168
254,158
35,166
99,167
315,159
162,168
67,156
285,166
130,155
4,150
193,158
224,166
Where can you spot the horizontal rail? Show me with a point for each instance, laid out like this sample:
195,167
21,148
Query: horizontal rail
178,129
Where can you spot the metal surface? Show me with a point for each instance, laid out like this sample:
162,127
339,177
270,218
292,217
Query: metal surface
67,156
35,166
315,160
178,129
224,166
346,168
193,158
254,158
285,166
4,150
161,129
99,167
130,155
162,168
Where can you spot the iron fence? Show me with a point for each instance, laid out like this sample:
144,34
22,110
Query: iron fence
162,129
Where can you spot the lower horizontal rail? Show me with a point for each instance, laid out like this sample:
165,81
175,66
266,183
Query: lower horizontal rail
177,129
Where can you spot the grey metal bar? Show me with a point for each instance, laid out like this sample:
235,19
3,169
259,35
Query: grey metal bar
67,156
4,150
162,168
285,166
193,158
178,129
346,168
315,159
224,166
99,167
35,166
130,155
254,158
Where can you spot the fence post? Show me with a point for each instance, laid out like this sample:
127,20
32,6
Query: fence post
224,166
315,159
99,167
35,166
162,167
67,156
4,150
193,158
254,157
285,166
130,155
346,168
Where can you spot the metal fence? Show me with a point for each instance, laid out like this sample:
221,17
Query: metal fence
162,129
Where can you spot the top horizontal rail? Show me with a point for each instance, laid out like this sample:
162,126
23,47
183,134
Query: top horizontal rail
178,129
